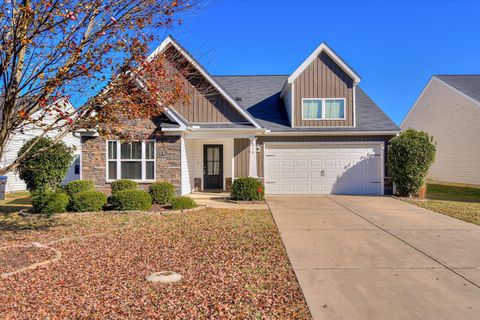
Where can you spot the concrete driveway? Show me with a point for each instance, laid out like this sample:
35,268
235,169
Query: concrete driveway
380,258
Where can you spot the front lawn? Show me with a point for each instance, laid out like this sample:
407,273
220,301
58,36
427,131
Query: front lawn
232,261
458,202
15,202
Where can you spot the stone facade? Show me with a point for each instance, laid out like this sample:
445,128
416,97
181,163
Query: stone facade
168,158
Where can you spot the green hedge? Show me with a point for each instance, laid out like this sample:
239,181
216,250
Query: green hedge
131,200
77,186
123,184
410,155
247,189
50,202
88,201
162,192
181,203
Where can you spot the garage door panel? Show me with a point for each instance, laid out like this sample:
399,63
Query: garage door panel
320,169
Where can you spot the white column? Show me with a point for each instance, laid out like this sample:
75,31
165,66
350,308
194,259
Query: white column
252,168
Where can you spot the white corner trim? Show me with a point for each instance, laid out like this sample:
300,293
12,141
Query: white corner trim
354,106
292,106
314,55
252,164
196,64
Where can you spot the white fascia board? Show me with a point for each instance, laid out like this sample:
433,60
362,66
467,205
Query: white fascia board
173,115
315,54
331,133
196,64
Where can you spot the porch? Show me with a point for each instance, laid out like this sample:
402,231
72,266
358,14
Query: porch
210,163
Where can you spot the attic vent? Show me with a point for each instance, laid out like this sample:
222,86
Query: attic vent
238,98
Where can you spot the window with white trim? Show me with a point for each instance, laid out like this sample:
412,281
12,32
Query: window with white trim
131,160
323,109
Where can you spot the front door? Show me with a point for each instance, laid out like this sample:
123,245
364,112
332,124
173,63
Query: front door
212,166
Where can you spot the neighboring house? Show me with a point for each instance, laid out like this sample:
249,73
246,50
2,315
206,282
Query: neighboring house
14,183
312,132
449,110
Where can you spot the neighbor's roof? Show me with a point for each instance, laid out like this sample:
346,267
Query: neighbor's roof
468,84
260,96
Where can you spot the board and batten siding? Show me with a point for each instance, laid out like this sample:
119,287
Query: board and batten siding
323,78
241,154
453,121
205,104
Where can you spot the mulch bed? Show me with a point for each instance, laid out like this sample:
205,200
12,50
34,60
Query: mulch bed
233,264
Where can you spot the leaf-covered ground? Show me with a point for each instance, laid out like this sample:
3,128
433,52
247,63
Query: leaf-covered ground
233,263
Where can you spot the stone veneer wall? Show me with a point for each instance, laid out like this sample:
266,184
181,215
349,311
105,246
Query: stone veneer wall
168,161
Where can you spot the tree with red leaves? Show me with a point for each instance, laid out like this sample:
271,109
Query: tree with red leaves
51,50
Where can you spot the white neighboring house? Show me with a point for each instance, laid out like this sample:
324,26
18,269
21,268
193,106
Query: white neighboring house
449,110
14,183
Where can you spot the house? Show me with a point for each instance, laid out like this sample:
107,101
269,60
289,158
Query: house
314,131
14,183
449,110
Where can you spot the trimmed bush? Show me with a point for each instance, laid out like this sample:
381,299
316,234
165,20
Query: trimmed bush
162,192
131,200
50,202
123,184
409,157
44,170
182,203
247,189
77,186
88,201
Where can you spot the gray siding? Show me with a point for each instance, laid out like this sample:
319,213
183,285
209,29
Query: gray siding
453,121
323,78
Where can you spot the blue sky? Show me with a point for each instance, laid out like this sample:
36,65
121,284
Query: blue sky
395,46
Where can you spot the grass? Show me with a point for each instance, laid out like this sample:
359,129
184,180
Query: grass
459,202
15,202
233,263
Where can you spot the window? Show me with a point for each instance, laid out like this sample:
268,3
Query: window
131,160
76,164
323,109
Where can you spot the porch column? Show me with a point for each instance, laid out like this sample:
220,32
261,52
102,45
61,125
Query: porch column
252,168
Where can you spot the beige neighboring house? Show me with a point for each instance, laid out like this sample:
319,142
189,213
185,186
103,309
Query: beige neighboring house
14,183
449,110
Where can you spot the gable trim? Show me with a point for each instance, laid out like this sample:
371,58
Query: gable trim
170,40
425,90
323,47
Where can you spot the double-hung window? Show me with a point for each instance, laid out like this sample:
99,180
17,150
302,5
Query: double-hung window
131,160
323,109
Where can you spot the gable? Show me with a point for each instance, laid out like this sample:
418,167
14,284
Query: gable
208,102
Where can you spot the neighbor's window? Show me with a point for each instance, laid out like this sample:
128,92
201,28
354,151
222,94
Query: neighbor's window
312,109
131,160
323,109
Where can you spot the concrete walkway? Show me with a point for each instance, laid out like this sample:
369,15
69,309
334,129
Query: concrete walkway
221,200
380,258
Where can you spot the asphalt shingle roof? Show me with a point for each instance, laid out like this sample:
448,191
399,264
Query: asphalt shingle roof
260,96
468,84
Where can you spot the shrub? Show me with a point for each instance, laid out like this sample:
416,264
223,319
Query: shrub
50,202
131,200
247,189
78,186
409,157
182,203
44,171
162,192
90,200
123,184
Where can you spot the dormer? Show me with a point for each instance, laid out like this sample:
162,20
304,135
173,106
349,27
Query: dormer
321,91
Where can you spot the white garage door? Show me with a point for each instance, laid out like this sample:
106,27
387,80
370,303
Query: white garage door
324,169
